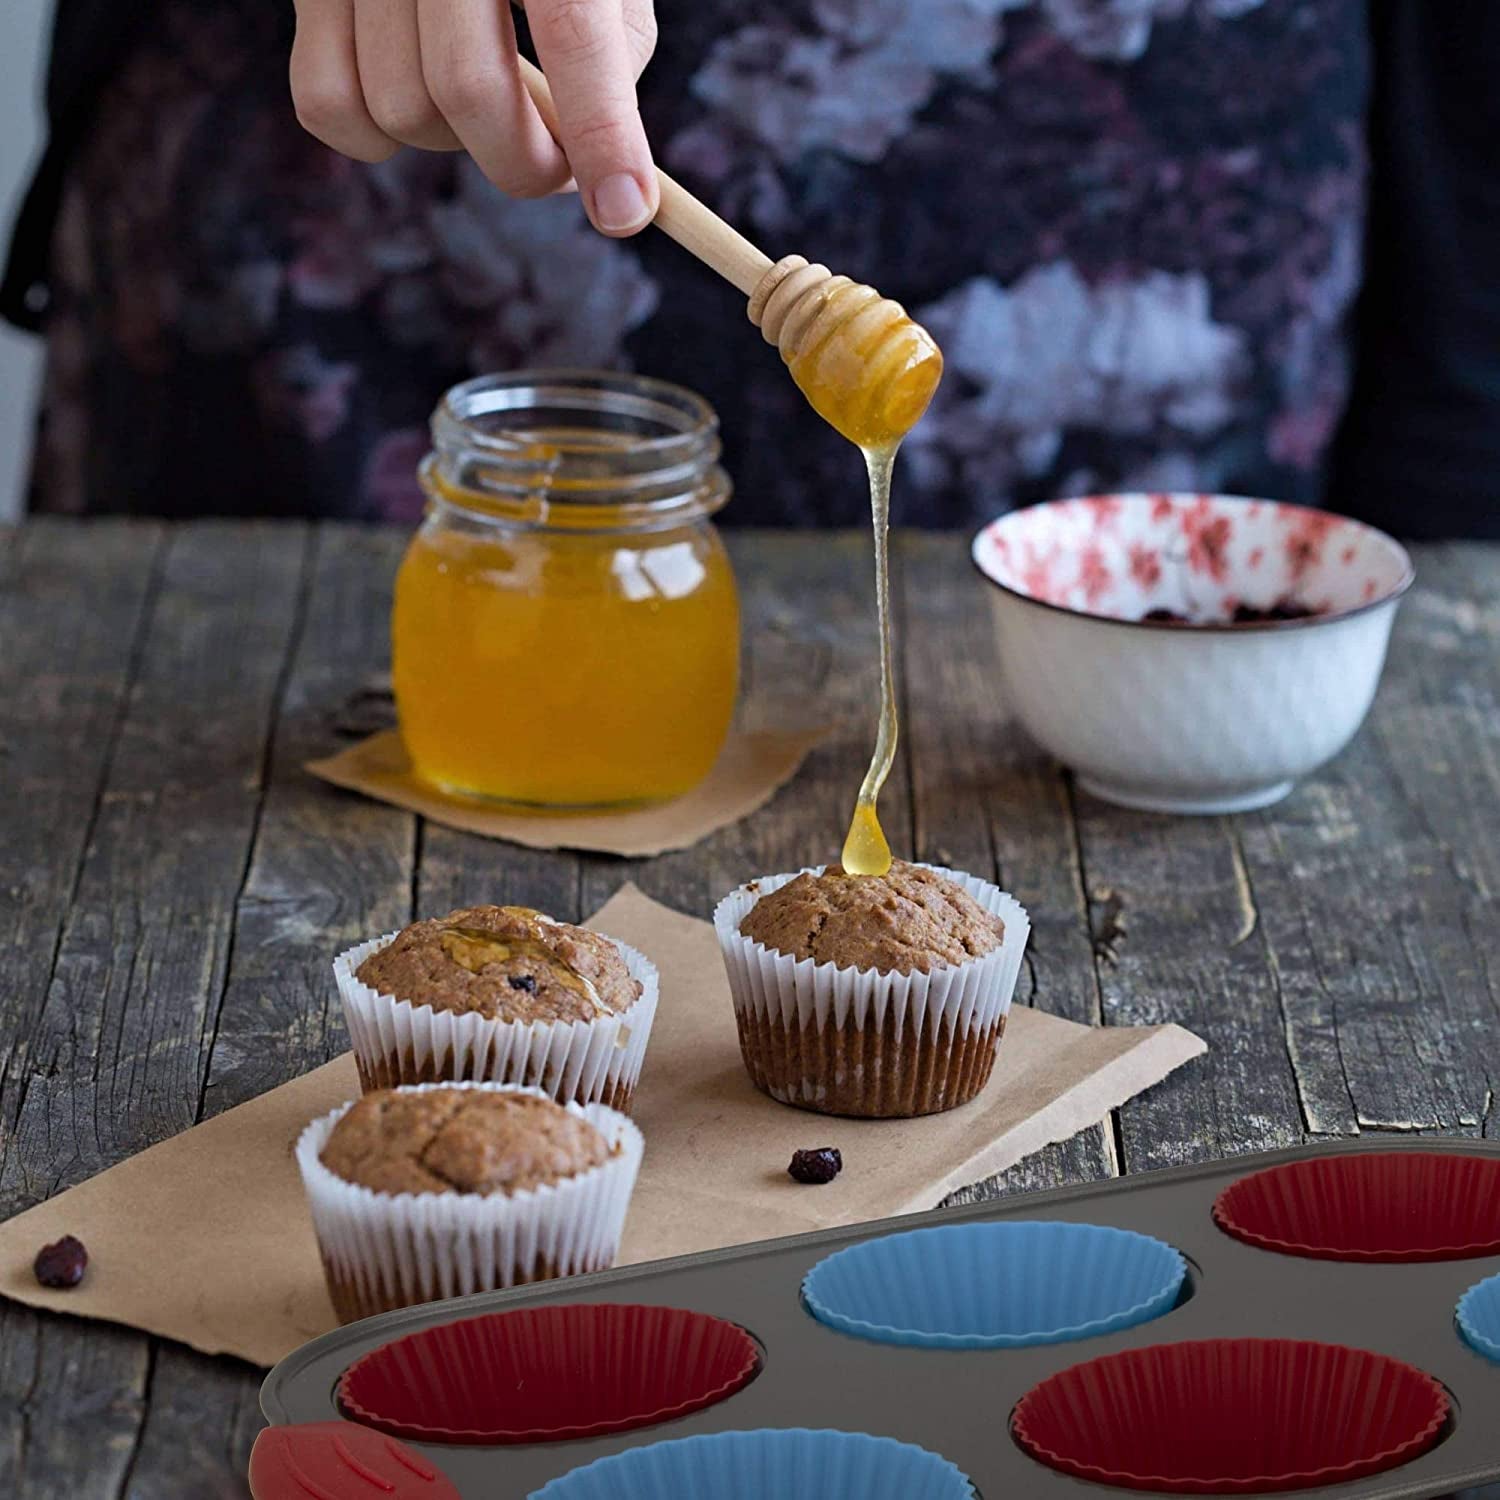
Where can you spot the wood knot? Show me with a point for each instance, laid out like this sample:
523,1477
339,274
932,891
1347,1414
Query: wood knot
1107,917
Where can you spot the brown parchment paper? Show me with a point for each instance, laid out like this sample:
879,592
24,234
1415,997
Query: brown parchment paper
753,766
205,1238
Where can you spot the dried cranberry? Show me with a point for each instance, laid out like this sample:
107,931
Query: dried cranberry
821,1164
61,1264
525,982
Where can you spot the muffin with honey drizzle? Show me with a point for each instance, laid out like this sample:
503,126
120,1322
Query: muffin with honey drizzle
500,994
882,996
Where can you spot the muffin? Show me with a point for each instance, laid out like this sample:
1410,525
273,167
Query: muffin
445,1189
500,994
878,996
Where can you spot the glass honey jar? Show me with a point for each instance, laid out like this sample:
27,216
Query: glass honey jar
566,624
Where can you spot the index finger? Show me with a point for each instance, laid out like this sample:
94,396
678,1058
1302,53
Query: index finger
585,51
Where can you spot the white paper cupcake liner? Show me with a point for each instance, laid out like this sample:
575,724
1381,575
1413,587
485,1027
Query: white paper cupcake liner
586,1062
857,1042
384,1250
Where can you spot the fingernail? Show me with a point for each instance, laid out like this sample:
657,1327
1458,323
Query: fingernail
619,204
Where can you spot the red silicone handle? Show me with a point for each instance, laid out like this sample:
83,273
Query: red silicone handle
341,1461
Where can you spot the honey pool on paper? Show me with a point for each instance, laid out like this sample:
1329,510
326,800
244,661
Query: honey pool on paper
870,377
646,624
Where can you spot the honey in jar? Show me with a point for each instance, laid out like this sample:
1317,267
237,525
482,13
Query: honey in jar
566,623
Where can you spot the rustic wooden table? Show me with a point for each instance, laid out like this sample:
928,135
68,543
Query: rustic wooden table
172,885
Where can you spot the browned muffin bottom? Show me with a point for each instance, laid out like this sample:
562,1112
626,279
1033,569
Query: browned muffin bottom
460,1141
506,963
880,1072
354,1298
909,919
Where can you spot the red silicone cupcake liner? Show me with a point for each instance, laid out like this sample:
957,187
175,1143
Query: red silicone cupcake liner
1231,1416
1376,1206
548,1373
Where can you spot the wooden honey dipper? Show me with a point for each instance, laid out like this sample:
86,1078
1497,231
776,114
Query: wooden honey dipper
866,367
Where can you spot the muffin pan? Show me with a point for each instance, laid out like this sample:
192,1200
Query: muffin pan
922,1341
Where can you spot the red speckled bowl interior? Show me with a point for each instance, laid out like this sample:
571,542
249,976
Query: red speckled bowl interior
1199,556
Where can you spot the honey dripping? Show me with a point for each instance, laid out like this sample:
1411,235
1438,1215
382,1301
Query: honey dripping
869,371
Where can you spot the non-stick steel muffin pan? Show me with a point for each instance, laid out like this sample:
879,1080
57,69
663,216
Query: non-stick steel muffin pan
1322,1321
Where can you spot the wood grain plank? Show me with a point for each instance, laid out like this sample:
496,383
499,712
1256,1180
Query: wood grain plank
462,869
74,1397
197,1431
1377,881
120,1047
72,603
986,798
1452,624
988,801
1087,1157
329,868
1177,938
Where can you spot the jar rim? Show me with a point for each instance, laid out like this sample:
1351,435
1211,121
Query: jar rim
647,394
594,449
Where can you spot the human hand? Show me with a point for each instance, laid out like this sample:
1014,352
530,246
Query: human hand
369,76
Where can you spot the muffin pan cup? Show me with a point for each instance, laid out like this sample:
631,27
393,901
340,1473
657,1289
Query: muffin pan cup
1478,1318
1384,1206
958,1403
1232,1416
858,1042
585,1062
544,1374
773,1464
995,1286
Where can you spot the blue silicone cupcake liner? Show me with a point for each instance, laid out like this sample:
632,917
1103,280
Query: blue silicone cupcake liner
771,1464
995,1286
1478,1317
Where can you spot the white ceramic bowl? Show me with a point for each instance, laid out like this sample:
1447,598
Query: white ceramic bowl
1200,718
